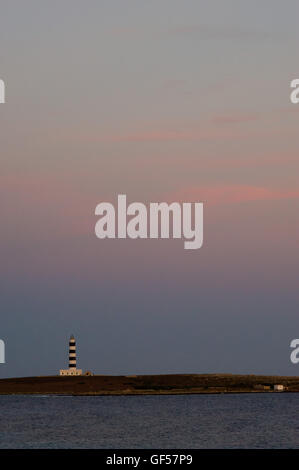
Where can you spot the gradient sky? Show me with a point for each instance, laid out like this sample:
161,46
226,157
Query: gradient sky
160,100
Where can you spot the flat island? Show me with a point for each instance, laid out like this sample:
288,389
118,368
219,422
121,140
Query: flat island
148,384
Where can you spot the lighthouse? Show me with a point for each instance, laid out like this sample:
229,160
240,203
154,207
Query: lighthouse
72,353
72,370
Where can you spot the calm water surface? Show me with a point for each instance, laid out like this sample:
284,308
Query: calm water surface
186,421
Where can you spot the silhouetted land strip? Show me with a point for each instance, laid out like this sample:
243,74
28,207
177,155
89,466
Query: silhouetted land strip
147,384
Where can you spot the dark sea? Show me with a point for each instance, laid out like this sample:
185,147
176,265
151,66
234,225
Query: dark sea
269,421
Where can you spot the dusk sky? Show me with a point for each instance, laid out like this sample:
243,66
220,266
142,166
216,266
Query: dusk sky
163,101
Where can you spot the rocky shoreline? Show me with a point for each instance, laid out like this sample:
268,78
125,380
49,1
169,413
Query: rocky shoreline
170,384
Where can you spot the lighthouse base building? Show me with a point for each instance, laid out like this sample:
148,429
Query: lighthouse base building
72,370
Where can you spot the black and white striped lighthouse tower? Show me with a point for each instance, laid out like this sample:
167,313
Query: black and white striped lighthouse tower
72,353
72,370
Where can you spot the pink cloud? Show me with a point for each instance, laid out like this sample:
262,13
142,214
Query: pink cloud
209,32
205,162
231,194
235,118
200,134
